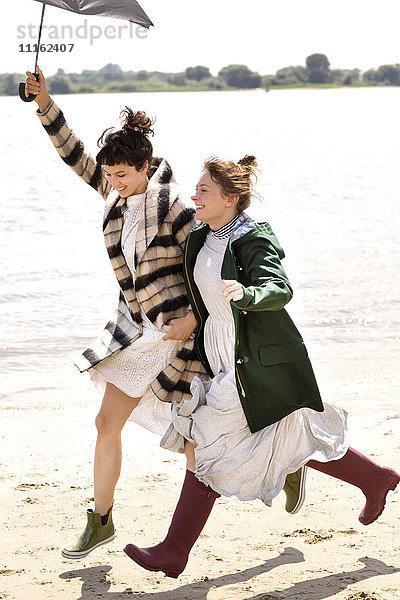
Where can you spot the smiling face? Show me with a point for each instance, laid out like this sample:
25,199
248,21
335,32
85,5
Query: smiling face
212,206
127,180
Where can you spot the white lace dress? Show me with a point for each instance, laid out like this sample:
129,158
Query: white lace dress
133,368
229,458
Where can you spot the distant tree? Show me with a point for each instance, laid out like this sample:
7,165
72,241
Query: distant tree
142,75
390,74
214,84
121,87
373,77
59,85
240,76
198,73
60,71
76,78
290,76
351,76
111,72
267,81
345,76
10,85
127,86
177,79
384,75
318,68
86,89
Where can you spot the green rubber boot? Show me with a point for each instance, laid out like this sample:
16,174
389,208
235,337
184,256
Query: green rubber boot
94,535
295,490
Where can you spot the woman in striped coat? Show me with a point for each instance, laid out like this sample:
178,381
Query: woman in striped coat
144,358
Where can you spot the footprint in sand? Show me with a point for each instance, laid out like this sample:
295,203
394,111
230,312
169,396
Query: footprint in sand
11,571
23,487
363,596
31,500
312,537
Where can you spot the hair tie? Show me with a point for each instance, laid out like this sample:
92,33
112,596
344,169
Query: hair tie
128,126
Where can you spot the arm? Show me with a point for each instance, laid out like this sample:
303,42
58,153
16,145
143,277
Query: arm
181,328
267,285
182,222
67,144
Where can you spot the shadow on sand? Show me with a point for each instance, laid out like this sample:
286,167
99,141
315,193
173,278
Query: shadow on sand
95,584
326,587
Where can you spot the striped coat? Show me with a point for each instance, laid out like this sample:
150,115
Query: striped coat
159,289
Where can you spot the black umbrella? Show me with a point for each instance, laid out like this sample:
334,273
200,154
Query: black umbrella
122,9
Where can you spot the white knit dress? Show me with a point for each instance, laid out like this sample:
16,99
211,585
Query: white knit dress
133,368
229,458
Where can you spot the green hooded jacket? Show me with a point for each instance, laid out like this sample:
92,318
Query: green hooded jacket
274,376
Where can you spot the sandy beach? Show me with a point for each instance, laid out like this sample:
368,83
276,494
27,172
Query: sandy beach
246,552
333,207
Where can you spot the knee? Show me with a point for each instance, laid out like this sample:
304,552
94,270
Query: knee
106,426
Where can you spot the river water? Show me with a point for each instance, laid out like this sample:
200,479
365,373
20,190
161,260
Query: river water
330,182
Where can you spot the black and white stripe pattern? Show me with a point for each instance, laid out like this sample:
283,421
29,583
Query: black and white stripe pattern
159,288
226,230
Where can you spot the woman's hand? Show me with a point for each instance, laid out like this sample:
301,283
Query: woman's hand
232,289
182,328
38,88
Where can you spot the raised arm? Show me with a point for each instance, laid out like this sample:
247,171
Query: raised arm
65,141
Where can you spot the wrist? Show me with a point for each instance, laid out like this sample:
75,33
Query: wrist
191,319
44,103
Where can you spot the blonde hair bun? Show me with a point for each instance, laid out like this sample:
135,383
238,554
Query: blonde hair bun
248,161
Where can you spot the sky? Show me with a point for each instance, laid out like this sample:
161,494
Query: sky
263,34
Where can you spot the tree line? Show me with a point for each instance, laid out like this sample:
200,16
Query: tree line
111,78
317,71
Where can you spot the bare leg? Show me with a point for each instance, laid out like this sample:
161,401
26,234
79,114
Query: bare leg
190,458
114,412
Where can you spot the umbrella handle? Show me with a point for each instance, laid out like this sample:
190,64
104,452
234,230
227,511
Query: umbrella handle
21,88
22,95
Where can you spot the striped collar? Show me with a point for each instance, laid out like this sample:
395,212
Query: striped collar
243,225
226,230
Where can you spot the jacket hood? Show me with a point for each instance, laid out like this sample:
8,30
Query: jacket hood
247,229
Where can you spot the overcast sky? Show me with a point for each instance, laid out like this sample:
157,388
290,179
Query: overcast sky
262,34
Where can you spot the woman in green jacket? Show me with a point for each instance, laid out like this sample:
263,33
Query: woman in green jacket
261,416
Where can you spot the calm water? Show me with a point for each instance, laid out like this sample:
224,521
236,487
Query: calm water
330,179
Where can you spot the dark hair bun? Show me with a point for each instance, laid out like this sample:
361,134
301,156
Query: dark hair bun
248,161
136,121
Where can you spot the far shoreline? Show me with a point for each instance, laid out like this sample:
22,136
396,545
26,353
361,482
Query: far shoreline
317,86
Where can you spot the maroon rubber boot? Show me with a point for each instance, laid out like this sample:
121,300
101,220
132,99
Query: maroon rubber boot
373,480
191,514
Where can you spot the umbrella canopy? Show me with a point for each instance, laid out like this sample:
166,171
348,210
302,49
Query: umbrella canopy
117,9
128,10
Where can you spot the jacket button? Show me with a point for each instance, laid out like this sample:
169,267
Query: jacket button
243,360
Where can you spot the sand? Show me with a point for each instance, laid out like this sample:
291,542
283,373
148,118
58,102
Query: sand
246,552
